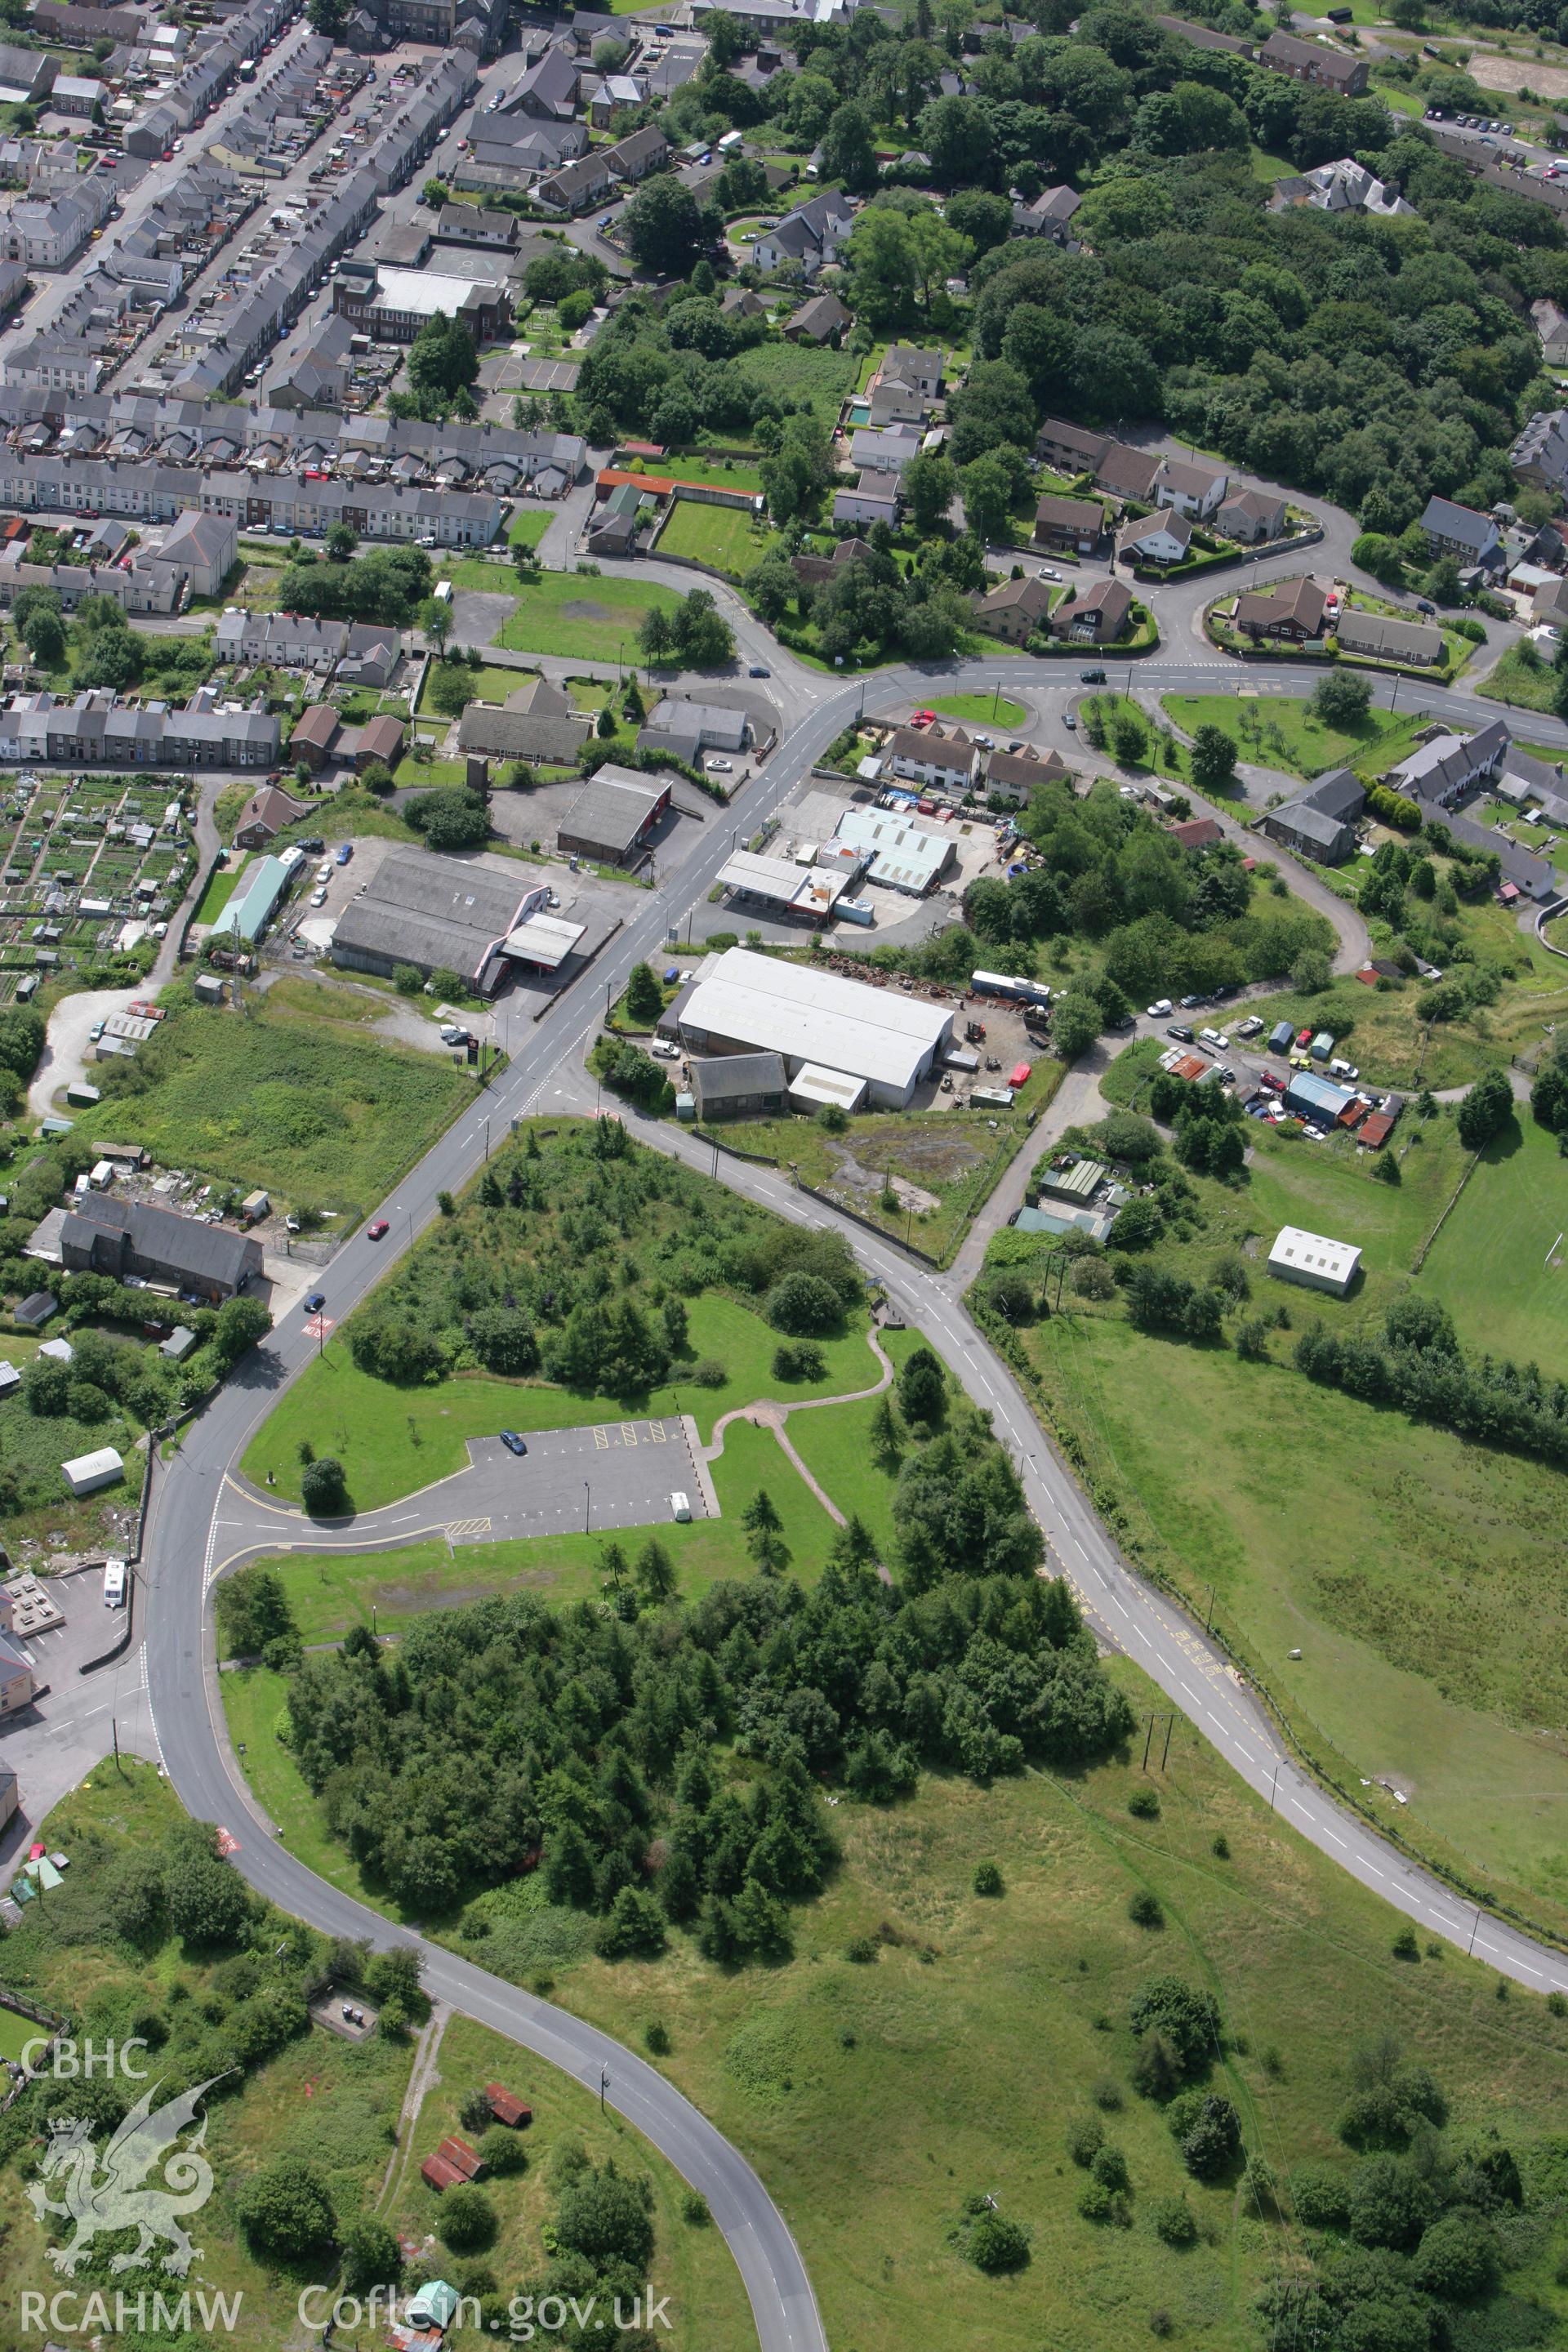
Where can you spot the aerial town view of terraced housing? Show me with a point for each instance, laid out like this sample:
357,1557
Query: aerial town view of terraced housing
784,1176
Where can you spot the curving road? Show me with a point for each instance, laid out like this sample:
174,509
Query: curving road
192,1512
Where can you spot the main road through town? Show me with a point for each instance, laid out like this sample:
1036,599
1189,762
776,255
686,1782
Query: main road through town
185,1531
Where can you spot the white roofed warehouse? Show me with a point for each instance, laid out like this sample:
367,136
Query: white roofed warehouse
752,1004
1314,1261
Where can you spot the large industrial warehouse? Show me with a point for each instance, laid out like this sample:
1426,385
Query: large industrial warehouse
435,915
881,1038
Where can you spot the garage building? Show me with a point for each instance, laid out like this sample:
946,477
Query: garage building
738,1086
903,856
1314,1261
438,917
810,891
613,816
746,1003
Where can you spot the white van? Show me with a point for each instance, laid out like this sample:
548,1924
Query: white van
114,1584
1209,1037
679,1506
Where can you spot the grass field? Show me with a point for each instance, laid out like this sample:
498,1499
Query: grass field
528,528
581,616
282,1096
331,1590
1494,1265
15,2032
801,372
716,473
873,2098
482,684
1521,678
1279,731
727,538
1425,1598
220,891
980,710
392,1441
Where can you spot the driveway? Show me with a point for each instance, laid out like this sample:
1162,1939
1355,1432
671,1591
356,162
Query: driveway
67,1048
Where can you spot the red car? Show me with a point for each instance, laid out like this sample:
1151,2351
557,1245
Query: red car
1266,1078
1304,1036
378,1229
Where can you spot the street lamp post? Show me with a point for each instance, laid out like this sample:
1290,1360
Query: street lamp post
587,1506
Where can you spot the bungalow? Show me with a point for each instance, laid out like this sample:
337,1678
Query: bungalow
924,755
264,816
1292,612
1161,539
315,735
1014,609
1250,516
1098,616
741,302
886,452
1379,635
1195,834
1076,524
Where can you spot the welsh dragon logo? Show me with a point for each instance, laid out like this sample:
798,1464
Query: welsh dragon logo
115,2199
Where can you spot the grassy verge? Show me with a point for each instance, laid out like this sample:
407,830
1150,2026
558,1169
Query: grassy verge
980,710
219,892
528,529
393,1440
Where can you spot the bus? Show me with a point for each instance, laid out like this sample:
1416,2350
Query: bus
1016,991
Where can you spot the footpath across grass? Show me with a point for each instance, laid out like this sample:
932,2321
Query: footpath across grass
392,1441
329,1592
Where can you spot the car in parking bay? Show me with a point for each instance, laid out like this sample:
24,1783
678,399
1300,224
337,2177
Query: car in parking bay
512,1442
